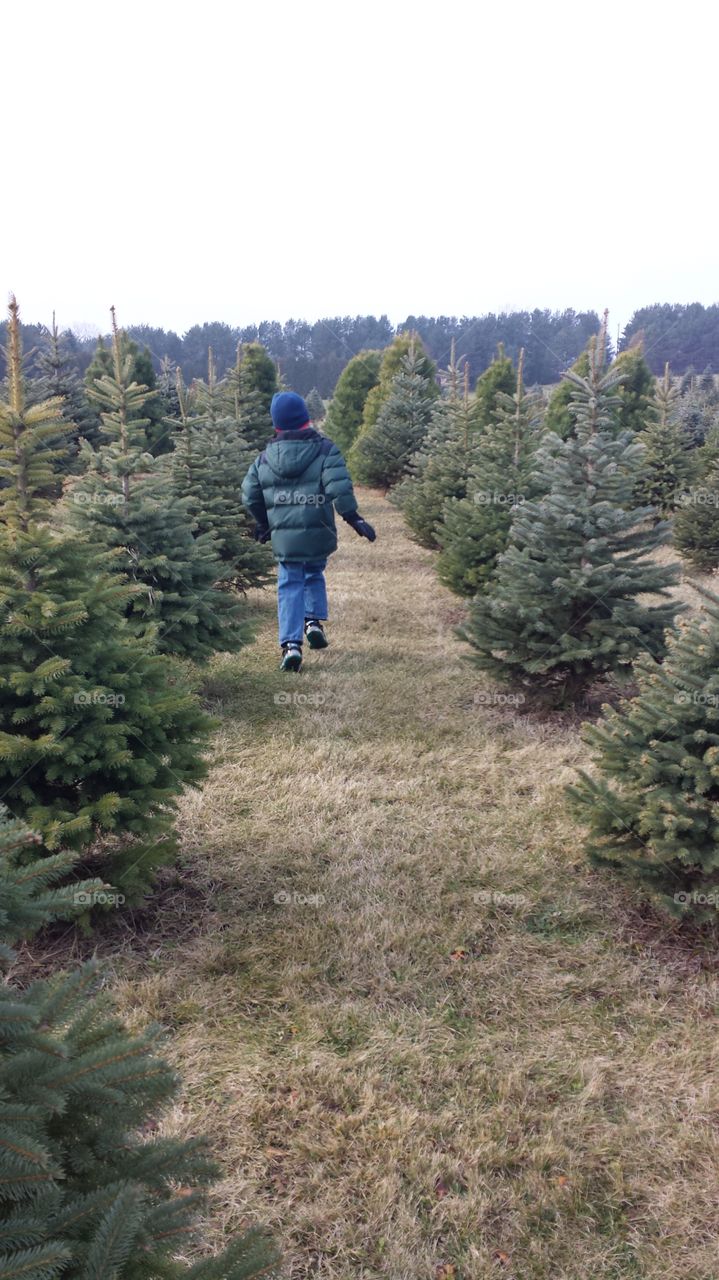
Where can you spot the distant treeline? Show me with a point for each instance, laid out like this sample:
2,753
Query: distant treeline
314,355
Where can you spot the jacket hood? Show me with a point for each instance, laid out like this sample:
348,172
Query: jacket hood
292,452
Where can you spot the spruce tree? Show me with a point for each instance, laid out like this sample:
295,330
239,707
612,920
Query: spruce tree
57,376
390,366
126,503
380,455
141,371
249,389
344,416
565,606
88,1190
208,465
667,466
635,391
652,810
99,735
499,378
474,529
696,523
315,405
559,417
438,471
36,890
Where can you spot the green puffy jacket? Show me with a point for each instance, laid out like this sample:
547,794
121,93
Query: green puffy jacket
294,487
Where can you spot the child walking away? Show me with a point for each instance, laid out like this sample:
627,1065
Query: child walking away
292,490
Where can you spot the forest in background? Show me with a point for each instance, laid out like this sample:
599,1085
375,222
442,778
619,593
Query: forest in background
313,355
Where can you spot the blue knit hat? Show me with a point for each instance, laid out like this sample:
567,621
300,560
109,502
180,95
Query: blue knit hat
289,411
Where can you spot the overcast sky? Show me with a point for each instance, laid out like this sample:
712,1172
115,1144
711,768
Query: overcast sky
240,162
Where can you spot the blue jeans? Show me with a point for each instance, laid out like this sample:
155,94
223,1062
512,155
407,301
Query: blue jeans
301,593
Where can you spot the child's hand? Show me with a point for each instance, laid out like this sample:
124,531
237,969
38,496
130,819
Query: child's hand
364,529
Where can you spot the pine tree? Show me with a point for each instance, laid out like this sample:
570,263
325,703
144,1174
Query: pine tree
390,366
99,735
474,529
380,455
565,608
499,378
635,391
141,371
667,465
88,1191
652,810
35,890
438,470
58,377
344,416
315,405
248,391
127,504
559,417
696,523
208,465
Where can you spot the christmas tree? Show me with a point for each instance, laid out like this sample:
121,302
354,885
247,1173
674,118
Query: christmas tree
381,453
344,416
249,389
696,524
99,735
208,465
652,810
499,378
438,470
475,528
126,503
315,405
141,371
58,377
35,890
636,390
565,606
390,366
667,465
88,1190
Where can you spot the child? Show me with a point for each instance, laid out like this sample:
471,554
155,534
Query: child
291,490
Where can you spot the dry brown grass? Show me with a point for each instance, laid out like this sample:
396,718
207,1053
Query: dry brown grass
472,1058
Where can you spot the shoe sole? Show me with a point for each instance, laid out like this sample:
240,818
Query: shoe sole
316,640
290,664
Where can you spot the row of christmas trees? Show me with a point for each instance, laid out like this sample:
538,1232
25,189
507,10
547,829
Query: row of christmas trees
109,583
548,513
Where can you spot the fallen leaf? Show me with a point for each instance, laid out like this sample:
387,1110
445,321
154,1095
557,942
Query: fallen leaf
459,953
445,1271
501,1257
441,1189
562,1180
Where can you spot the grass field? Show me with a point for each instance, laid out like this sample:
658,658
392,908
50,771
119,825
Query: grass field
427,1042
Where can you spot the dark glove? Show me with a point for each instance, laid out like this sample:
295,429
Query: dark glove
262,533
360,526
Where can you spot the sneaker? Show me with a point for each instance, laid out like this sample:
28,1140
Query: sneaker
315,633
291,657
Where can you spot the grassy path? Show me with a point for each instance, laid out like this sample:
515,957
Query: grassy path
426,1042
